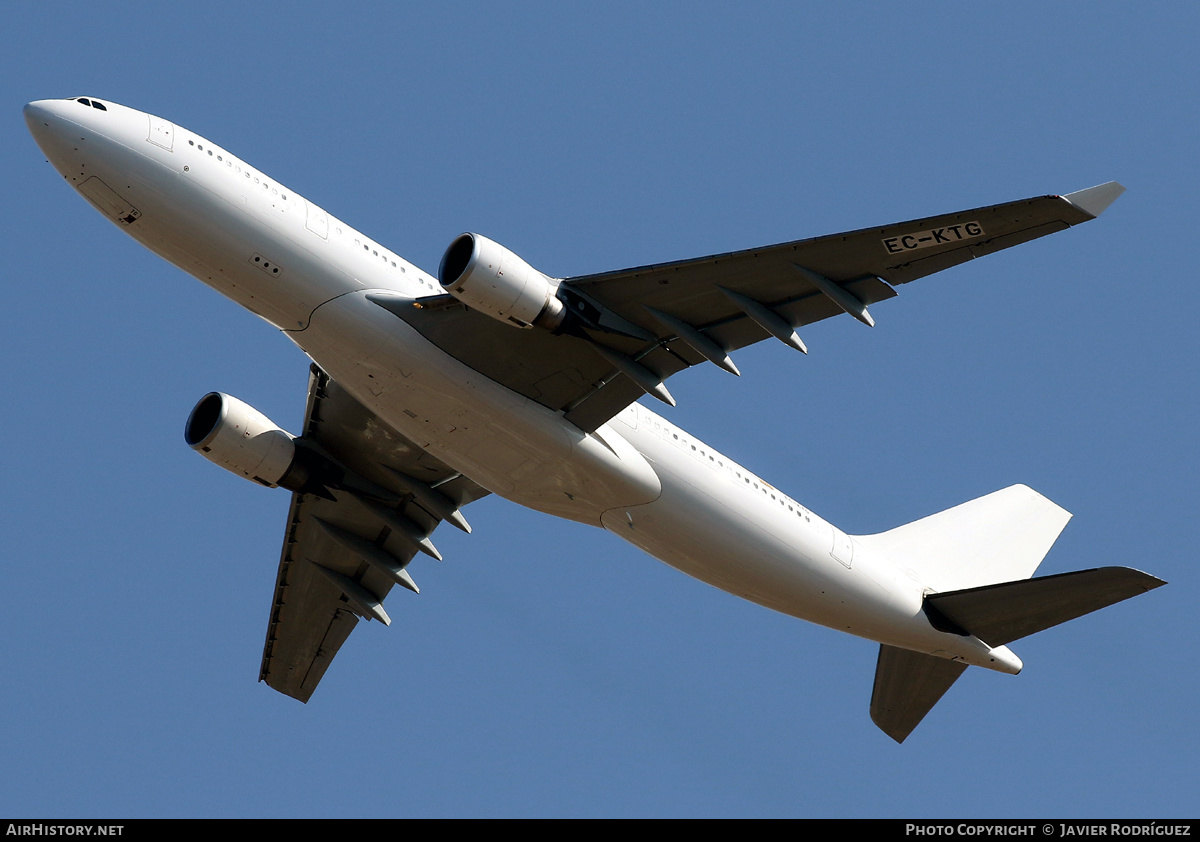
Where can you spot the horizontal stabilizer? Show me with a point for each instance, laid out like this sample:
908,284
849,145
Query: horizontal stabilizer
1000,614
907,685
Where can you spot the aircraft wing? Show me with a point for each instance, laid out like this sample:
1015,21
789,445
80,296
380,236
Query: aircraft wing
346,547
631,329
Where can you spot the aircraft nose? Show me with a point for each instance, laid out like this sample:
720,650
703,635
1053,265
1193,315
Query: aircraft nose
42,109
51,128
43,117
35,114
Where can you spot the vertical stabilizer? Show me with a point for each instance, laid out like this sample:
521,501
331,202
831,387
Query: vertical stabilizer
999,537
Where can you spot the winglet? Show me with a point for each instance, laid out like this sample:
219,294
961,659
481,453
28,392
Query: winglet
1094,200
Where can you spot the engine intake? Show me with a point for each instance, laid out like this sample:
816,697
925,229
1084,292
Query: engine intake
239,438
489,278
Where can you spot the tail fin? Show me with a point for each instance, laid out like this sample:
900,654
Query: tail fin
999,537
978,557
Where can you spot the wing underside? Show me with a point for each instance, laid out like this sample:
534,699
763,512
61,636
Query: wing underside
632,329
349,542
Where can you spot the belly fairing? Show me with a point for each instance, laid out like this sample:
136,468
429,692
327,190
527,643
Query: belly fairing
510,445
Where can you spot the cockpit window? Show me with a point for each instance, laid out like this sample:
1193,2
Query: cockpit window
95,103
84,100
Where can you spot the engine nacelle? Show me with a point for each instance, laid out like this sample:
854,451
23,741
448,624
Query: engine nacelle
489,278
241,439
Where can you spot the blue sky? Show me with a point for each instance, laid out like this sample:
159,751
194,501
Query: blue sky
548,669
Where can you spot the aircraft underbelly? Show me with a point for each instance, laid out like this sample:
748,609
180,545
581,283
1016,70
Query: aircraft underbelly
631,484
621,478
510,445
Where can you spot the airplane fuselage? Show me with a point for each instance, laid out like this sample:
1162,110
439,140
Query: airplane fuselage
639,476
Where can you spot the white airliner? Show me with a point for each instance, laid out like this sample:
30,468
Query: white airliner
427,393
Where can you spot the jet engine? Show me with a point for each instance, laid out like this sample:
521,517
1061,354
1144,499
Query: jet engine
489,278
239,438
